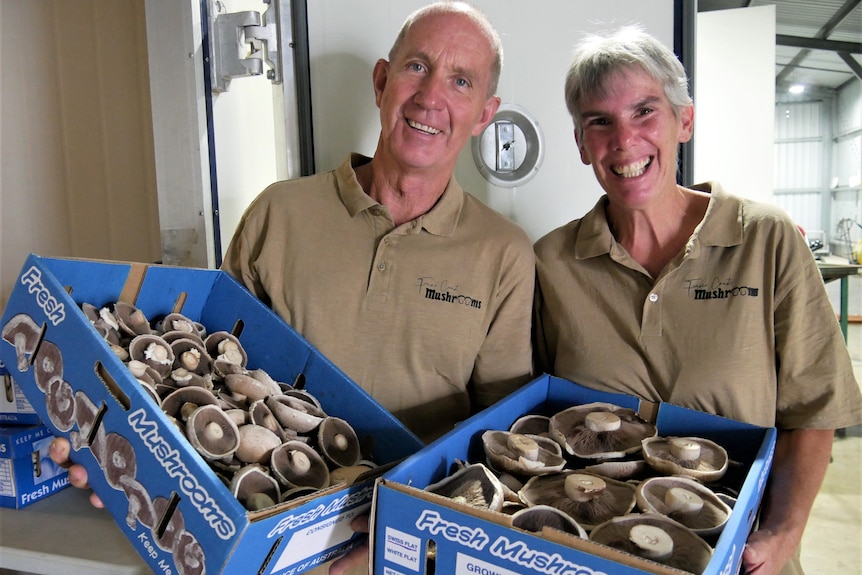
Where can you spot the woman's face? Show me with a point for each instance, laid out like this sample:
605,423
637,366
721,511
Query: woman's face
630,137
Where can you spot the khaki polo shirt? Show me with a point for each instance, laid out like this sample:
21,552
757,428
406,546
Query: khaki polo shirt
739,324
430,317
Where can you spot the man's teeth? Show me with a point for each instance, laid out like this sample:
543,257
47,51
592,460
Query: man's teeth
423,127
632,170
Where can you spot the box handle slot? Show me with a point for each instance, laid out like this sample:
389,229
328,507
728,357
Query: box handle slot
430,557
97,423
111,385
237,328
167,515
269,556
36,458
7,386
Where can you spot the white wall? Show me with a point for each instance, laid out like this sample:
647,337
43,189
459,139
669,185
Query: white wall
347,38
734,100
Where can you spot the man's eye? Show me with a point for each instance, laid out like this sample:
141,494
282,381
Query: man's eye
462,83
415,67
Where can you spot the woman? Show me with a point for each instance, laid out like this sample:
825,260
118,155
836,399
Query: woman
690,296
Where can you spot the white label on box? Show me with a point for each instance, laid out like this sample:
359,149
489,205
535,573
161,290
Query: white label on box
390,571
317,537
402,548
7,479
466,565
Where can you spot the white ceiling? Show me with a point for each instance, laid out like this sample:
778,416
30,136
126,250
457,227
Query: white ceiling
818,42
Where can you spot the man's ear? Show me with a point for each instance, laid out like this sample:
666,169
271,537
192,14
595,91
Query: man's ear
379,76
584,158
492,104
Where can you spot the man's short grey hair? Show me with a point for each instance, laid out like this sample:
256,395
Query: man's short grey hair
597,58
478,18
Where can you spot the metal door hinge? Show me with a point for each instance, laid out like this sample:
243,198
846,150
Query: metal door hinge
244,44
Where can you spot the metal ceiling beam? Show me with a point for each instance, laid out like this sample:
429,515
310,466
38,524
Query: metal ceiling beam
852,63
818,44
822,34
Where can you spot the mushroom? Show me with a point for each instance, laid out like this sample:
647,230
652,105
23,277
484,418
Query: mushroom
296,464
532,425
181,402
338,442
294,413
255,488
212,432
119,460
48,365
227,347
695,457
474,485
351,474
178,322
657,538
154,351
191,355
620,469
538,517
22,332
188,555
131,320
247,386
600,430
522,454
60,404
256,443
588,499
686,501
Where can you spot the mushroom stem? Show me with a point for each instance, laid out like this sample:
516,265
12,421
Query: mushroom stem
582,487
684,449
652,541
683,500
602,421
213,431
524,446
340,442
300,462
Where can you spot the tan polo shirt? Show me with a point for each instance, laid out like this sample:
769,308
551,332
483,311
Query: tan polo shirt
739,325
429,317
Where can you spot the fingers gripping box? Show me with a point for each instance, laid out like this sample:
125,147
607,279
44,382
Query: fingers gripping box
416,532
180,516
27,473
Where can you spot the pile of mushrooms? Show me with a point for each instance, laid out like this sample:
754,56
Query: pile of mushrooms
600,472
268,441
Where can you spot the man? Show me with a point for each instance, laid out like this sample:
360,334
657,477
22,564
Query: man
416,290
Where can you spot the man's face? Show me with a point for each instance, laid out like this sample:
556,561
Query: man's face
433,96
630,138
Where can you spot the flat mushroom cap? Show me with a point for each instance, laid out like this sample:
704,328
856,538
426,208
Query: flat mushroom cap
223,345
522,454
685,500
154,351
255,488
250,387
295,413
532,425
655,537
588,499
474,485
256,443
132,321
600,430
212,432
297,464
538,517
22,332
695,457
338,442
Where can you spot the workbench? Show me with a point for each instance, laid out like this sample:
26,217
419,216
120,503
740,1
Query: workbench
837,268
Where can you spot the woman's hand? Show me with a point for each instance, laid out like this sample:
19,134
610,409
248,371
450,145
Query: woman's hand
357,556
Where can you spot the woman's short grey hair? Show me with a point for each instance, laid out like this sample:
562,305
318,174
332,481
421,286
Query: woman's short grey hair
478,18
597,58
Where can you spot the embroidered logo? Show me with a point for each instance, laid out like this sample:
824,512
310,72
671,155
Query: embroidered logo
718,289
446,293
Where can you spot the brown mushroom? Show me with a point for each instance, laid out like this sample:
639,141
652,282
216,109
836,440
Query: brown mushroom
181,402
256,443
154,351
131,320
538,517
60,404
191,355
600,430
522,454
23,333
47,365
255,488
532,425
657,538
212,432
294,413
694,457
684,500
338,442
296,464
473,485
249,387
225,346
588,499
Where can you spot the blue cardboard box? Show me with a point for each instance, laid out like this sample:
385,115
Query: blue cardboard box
27,473
193,524
14,406
408,523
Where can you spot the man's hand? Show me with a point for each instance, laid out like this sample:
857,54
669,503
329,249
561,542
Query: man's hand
358,556
59,452
766,553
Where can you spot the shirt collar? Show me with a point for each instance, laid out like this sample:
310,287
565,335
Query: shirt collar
721,226
441,220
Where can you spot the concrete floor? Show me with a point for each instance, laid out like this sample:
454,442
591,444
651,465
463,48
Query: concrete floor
831,543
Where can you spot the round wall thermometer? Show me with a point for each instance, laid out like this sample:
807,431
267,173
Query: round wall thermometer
510,150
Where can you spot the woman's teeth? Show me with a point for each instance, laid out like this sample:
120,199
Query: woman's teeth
632,170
